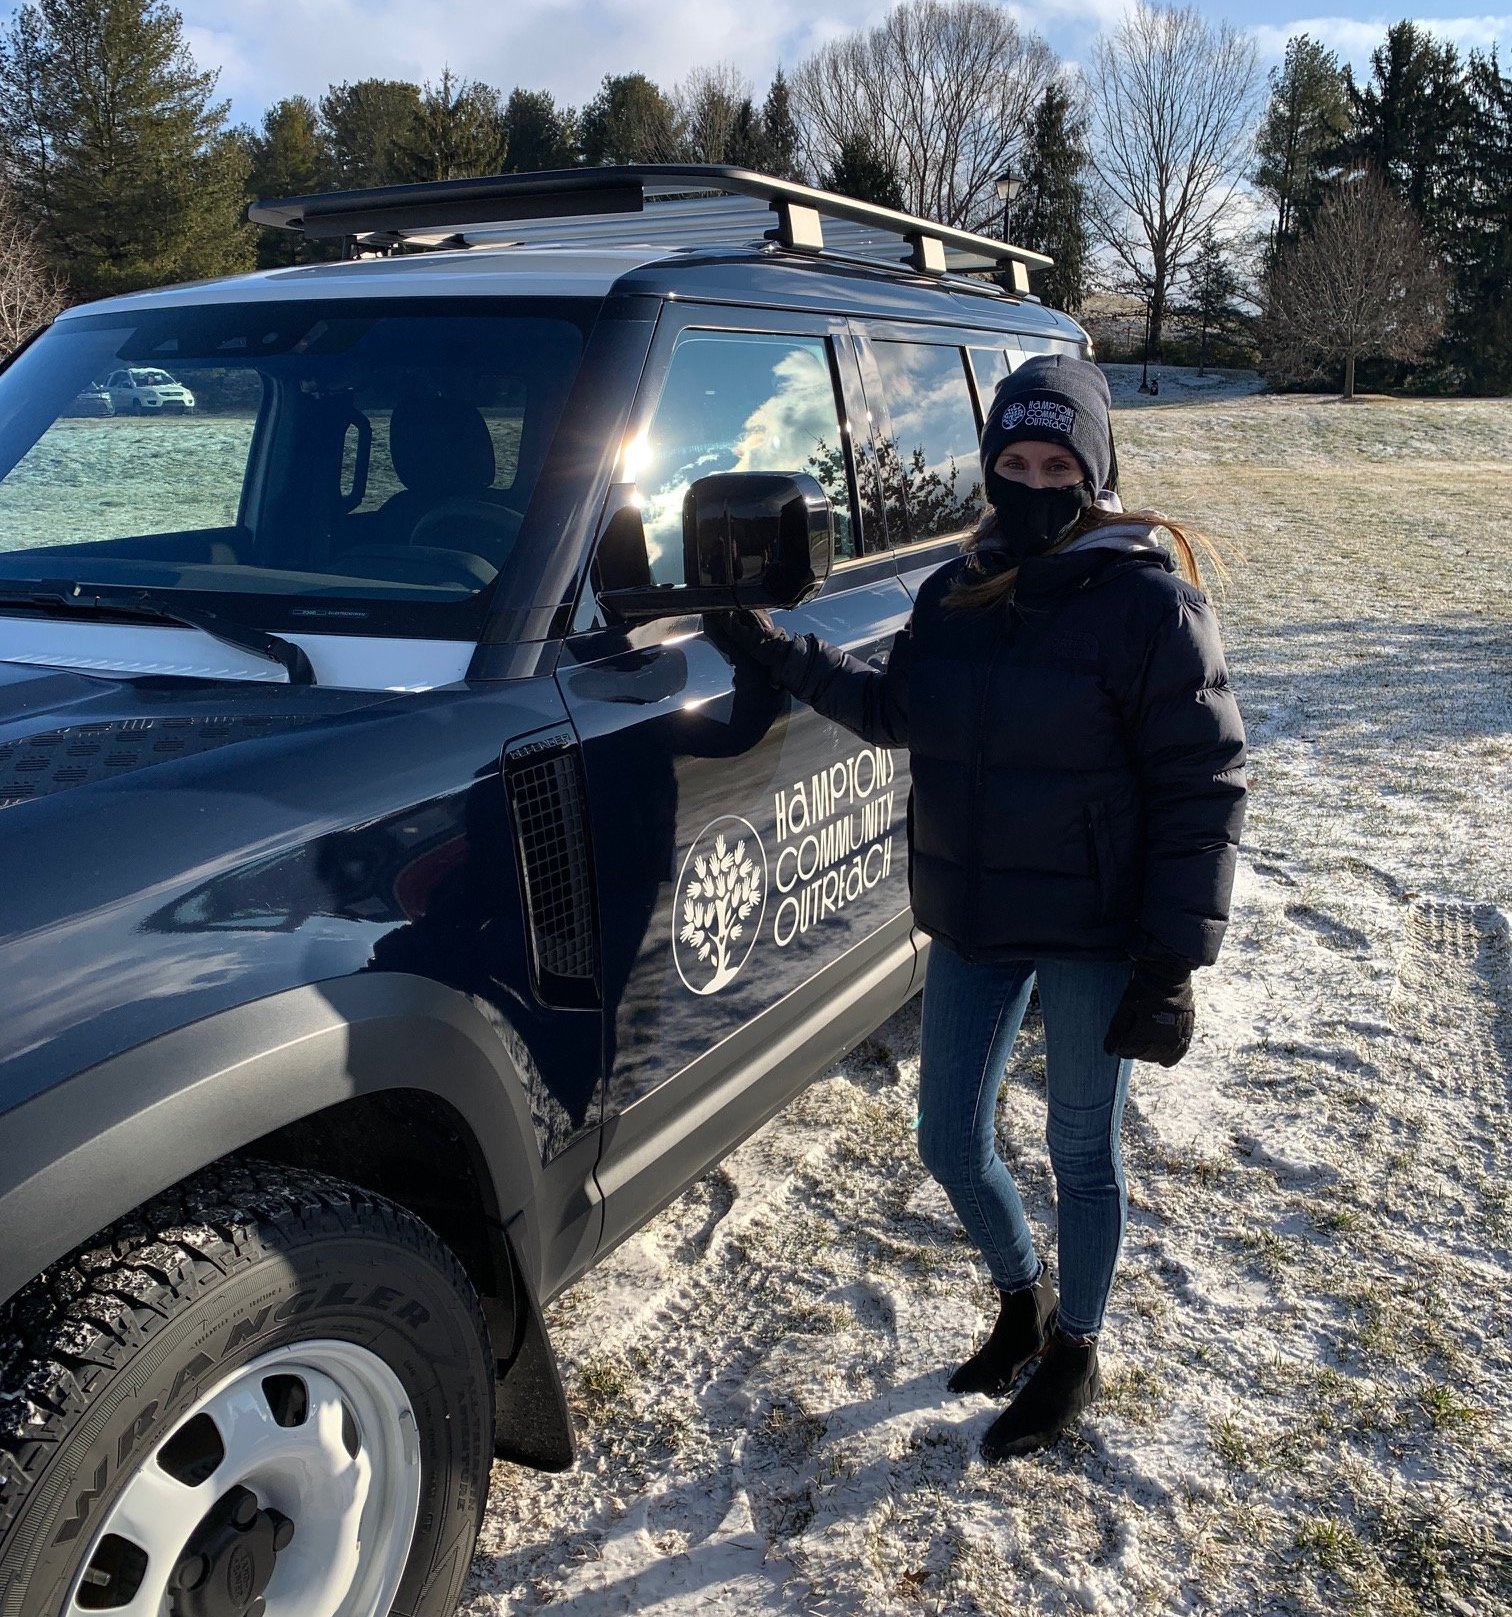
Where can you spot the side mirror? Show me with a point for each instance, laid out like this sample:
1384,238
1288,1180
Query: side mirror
750,539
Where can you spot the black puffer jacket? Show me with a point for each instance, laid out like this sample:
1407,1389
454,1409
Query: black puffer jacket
1078,759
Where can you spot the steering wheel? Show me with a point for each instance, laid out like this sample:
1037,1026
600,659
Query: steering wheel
416,564
482,528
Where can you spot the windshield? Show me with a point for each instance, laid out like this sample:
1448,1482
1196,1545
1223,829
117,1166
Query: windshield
353,467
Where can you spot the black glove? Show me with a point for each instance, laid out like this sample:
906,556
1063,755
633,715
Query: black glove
1156,1016
753,634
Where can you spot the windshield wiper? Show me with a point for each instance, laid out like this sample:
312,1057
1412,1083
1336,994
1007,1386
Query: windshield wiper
72,597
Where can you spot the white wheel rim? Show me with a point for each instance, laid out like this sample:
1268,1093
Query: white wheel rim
343,1465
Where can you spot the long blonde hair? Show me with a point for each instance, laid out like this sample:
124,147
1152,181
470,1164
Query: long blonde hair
996,589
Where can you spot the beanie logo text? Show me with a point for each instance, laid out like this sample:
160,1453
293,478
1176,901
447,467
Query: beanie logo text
1043,413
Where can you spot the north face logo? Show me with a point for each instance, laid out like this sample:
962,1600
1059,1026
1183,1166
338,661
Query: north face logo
1071,644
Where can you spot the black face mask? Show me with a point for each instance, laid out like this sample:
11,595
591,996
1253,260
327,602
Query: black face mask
1030,520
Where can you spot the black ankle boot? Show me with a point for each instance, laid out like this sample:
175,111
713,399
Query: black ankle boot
1064,1382
1025,1318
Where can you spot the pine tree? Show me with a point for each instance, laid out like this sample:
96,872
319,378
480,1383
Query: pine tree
780,128
1410,119
1481,337
541,134
115,149
289,157
1413,126
458,132
862,172
369,126
1301,137
631,121
747,143
1214,296
1050,215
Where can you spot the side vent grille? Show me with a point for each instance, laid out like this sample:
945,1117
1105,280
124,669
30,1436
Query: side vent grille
547,797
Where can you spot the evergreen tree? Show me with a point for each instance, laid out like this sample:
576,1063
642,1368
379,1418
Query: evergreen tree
369,127
780,129
115,149
541,135
289,157
631,121
1410,119
458,133
1050,216
1480,341
747,145
1302,135
26,117
862,172
1214,296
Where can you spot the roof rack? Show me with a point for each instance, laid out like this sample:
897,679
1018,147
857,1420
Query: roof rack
693,205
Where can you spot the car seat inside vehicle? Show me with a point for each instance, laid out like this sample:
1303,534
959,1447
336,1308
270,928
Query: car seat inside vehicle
448,510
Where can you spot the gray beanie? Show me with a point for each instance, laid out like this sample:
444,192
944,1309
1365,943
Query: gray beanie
1059,399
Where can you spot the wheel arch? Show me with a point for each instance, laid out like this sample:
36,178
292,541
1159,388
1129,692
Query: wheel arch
317,1076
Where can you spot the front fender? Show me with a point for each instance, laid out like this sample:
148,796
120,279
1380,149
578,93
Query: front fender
100,1143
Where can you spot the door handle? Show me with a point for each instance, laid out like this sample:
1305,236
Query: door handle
878,660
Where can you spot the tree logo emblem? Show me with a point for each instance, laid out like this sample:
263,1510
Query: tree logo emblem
1013,415
721,895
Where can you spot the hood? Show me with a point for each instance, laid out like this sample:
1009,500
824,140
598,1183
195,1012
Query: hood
60,730
177,851
1130,535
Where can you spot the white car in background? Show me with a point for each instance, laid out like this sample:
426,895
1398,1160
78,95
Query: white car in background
147,391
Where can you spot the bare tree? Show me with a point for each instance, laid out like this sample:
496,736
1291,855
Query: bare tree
943,89
30,294
1173,103
1363,282
710,101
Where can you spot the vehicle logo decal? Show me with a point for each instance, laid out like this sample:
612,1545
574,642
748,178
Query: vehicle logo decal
721,897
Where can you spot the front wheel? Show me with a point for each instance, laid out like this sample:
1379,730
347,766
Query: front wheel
268,1392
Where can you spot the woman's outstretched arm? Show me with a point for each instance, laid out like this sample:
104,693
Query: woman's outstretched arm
870,702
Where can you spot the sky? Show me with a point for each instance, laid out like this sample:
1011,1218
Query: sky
267,49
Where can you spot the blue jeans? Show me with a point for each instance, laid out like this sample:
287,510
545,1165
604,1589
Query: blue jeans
972,1015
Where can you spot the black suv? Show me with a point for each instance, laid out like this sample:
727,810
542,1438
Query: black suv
404,895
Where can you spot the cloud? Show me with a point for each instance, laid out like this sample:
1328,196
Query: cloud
267,49
1354,38
275,48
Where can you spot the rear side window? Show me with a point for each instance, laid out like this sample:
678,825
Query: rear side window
739,401
931,479
990,365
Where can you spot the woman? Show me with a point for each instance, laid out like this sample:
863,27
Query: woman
1078,788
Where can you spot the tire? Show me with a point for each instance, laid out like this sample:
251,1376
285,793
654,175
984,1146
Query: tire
249,1345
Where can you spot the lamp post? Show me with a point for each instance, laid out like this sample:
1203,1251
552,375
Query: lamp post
1144,375
1008,187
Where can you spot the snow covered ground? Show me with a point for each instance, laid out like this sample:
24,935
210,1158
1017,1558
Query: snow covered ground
1309,1349
1178,385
